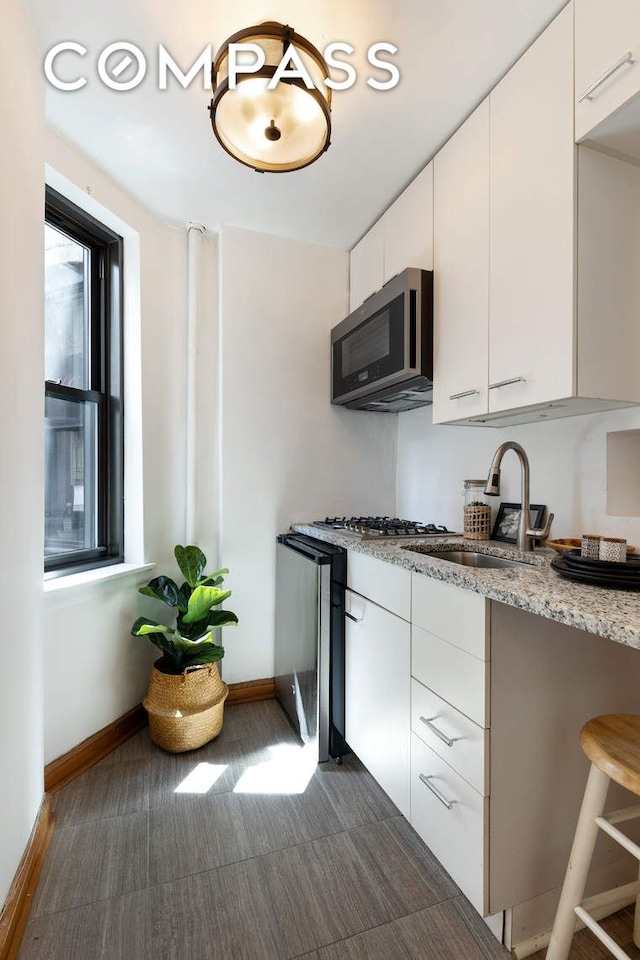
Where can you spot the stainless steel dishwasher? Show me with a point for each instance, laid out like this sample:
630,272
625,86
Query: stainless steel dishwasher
309,640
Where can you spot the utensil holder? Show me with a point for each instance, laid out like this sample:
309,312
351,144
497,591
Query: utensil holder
477,522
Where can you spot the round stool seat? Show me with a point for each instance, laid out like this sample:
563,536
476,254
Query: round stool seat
612,743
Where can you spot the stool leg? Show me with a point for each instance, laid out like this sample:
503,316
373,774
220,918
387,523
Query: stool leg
579,860
636,920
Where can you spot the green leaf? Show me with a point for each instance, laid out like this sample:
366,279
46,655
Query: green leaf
192,562
186,643
165,589
193,631
213,579
222,618
143,627
163,643
210,654
201,601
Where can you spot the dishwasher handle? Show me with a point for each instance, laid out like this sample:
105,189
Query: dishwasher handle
295,543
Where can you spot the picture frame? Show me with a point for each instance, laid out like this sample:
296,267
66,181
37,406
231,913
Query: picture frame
505,527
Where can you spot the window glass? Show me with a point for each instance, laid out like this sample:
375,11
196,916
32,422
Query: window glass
71,472
67,309
84,521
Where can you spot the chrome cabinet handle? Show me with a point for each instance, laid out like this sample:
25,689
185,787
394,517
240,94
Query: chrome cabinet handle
628,58
449,804
351,617
428,722
465,393
506,383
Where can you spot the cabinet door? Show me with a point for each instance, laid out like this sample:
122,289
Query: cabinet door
532,223
408,227
377,668
461,271
366,266
605,32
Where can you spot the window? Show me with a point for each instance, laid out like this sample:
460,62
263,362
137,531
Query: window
83,393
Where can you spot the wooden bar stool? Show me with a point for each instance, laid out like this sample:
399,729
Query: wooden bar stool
612,743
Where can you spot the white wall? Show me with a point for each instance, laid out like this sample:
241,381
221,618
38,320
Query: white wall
95,671
568,469
21,437
285,453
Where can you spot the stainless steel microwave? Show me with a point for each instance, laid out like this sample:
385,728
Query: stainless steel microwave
382,353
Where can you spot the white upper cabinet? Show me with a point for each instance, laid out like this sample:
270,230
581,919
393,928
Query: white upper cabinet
366,265
553,327
461,271
402,237
408,227
532,223
607,32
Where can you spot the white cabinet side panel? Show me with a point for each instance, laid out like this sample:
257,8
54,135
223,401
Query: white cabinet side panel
608,277
547,680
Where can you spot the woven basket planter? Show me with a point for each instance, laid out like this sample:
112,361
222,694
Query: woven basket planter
477,522
185,711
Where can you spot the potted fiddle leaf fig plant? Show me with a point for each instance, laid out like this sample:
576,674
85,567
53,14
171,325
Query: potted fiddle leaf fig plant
186,695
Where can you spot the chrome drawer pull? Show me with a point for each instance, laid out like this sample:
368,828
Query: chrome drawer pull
351,617
449,804
506,383
628,58
428,722
465,393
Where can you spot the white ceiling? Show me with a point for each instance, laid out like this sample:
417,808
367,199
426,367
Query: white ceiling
159,145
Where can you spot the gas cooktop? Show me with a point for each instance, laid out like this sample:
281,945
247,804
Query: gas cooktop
379,527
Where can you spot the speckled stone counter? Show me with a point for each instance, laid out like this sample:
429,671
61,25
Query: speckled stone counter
614,614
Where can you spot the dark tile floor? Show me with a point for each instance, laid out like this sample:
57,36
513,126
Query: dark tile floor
243,849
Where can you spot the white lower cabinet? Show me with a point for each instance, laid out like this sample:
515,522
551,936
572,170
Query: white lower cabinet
451,818
469,717
377,683
450,736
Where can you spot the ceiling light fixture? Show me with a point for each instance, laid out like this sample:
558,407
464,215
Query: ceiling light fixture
272,130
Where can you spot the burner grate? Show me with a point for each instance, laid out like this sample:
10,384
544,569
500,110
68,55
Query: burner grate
382,527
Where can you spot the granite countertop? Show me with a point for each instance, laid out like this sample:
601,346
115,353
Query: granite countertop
614,614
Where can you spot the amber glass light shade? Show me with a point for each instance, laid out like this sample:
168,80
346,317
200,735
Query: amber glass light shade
279,130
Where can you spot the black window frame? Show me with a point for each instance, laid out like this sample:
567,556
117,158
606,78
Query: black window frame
105,381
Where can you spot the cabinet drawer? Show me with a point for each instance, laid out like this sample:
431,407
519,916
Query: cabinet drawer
456,615
386,584
467,750
454,675
456,835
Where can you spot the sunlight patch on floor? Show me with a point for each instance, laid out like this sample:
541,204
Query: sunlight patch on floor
201,778
288,770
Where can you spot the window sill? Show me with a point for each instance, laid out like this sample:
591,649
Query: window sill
91,577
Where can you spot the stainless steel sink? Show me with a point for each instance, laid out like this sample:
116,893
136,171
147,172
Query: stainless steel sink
468,558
